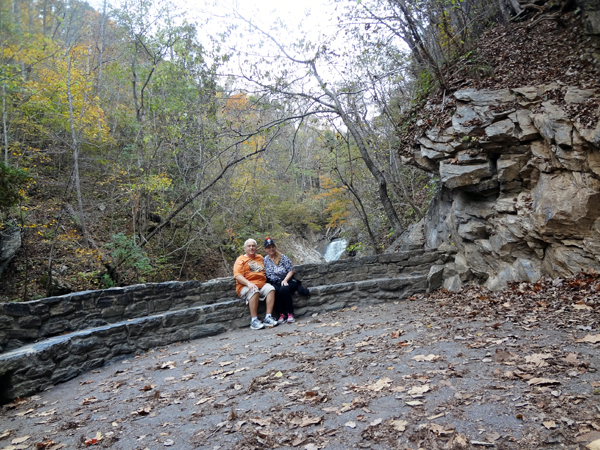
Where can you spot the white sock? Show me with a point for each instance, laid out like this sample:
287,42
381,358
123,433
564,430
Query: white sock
255,318
268,315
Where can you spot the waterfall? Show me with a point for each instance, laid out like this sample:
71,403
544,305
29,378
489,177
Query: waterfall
335,249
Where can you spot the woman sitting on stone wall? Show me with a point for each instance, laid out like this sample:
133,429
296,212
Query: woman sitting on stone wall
280,270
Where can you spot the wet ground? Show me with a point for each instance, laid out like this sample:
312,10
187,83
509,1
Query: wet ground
407,375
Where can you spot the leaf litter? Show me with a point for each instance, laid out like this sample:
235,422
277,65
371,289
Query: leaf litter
513,369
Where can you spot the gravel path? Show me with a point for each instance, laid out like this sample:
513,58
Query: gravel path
403,375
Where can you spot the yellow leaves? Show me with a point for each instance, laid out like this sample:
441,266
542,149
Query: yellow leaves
327,183
47,105
30,53
68,236
85,253
338,206
157,183
254,143
254,178
152,183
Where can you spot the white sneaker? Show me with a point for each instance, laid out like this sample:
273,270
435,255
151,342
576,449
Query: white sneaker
269,322
256,324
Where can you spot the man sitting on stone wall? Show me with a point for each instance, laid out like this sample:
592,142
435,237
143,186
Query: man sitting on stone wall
252,286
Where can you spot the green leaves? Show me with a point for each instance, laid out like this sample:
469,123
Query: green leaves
125,250
12,182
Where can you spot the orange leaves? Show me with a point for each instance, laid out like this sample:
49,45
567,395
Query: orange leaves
241,112
87,401
46,443
397,334
237,102
94,440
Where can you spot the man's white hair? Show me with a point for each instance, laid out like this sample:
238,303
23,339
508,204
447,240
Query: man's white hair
250,240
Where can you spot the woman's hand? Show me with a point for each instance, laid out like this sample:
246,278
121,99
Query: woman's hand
289,275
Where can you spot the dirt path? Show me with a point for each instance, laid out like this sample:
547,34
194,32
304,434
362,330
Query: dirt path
428,373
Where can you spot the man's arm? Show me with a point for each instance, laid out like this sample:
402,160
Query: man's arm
242,280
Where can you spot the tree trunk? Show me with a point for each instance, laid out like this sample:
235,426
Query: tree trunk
414,31
361,211
30,14
100,56
4,129
386,202
76,147
44,17
388,207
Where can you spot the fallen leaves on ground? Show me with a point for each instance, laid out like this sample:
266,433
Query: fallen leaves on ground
592,339
418,390
94,440
355,386
167,365
595,445
398,425
429,358
542,381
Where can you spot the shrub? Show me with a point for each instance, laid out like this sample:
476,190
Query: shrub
128,255
12,181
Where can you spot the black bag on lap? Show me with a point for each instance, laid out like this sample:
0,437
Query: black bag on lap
301,290
295,286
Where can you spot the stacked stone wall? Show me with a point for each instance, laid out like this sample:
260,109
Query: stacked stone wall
52,340
27,322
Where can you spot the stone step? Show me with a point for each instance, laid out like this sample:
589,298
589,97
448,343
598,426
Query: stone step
344,295
37,366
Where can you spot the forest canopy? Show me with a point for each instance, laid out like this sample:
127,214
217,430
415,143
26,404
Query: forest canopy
137,145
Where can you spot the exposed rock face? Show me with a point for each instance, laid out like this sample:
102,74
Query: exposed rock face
302,253
520,195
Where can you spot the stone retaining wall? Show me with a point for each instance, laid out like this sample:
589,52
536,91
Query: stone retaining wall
27,322
36,366
170,313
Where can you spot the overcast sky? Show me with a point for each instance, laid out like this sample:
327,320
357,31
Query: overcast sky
308,15
310,19
313,20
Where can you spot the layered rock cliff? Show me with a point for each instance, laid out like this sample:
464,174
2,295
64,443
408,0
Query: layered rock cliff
519,171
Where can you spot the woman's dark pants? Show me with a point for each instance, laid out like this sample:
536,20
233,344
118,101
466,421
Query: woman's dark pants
283,299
